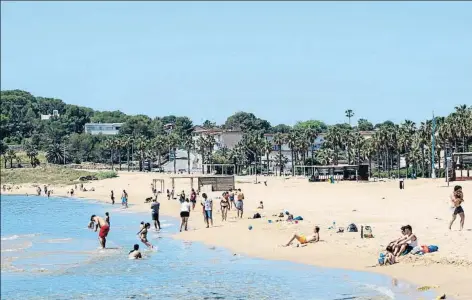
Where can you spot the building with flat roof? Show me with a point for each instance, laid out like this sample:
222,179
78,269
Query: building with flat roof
103,128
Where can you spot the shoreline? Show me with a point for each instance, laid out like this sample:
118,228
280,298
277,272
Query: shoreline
350,253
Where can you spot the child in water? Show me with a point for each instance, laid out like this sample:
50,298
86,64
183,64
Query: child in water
143,235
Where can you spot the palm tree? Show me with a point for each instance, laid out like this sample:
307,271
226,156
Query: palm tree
141,145
325,156
189,145
267,148
173,142
279,140
292,140
55,154
201,146
32,153
333,140
10,155
3,152
128,141
281,161
111,144
349,113
159,144
368,151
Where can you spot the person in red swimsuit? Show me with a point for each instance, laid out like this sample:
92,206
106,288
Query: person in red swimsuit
104,229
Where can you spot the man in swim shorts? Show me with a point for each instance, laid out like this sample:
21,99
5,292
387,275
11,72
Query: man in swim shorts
104,229
303,240
240,204
155,206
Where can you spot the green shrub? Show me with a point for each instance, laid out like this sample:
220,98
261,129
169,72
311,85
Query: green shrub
106,174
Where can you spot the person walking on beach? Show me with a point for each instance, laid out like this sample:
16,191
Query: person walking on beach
193,198
168,194
155,206
224,203
184,214
143,235
124,199
240,204
104,229
231,199
457,198
112,197
207,210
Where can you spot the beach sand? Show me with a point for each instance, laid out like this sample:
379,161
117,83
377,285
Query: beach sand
382,205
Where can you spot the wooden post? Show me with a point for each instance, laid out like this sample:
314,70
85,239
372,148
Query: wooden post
191,182
173,184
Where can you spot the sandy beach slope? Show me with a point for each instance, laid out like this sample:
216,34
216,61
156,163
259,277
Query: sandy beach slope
382,205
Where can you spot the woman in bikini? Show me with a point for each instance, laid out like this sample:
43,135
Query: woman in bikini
303,240
457,198
224,203
143,235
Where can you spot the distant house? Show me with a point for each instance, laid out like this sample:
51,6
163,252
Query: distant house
169,127
103,128
224,138
55,113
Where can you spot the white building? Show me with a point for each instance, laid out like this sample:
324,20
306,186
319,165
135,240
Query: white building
55,113
103,128
224,138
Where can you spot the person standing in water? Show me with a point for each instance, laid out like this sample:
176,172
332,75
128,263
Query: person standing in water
104,229
155,206
457,198
112,197
184,214
124,199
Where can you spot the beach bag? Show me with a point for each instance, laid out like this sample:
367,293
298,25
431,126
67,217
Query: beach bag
352,228
368,232
433,248
256,216
381,259
299,218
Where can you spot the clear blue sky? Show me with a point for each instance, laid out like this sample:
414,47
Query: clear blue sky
283,61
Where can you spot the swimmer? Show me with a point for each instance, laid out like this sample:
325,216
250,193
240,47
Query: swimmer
135,254
107,218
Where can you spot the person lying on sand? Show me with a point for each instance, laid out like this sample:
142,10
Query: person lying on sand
135,254
303,240
407,243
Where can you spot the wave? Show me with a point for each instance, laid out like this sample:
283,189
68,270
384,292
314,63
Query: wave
56,241
24,246
385,291
21,236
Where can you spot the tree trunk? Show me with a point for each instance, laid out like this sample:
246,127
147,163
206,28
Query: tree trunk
398,163
175,160
127,157
188,160
159,160
280,160
378,162
119,158
11,164
267,163
293,165
370,167
111,158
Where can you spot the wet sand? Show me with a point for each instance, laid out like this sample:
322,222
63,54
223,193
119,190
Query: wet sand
423,204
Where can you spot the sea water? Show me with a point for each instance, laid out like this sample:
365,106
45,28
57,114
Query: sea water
49,253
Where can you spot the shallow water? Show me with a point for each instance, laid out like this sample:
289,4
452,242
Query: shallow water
48,253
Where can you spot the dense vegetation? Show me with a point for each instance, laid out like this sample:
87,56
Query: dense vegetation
143,138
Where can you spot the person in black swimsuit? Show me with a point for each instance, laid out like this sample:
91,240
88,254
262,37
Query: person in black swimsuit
457,198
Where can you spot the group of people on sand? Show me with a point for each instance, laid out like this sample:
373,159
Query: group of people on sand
402,245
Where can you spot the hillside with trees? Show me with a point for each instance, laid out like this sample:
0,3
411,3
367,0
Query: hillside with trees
143,139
